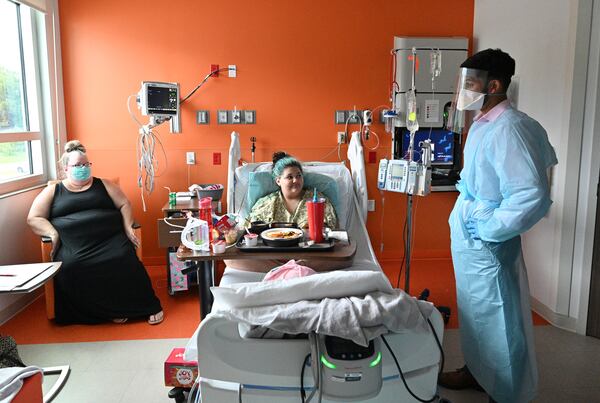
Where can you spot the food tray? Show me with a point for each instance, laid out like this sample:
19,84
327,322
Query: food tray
261,247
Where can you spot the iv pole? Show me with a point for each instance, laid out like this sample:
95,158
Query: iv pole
409,202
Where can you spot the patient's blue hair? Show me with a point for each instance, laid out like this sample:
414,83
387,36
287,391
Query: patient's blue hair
281,161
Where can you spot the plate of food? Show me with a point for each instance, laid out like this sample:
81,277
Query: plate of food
282,236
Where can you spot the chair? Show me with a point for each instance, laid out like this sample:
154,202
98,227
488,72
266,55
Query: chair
46,246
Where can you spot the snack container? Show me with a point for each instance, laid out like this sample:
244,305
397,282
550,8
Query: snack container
251,239
218,247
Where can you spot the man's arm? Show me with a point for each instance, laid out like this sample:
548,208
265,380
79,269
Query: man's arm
525,192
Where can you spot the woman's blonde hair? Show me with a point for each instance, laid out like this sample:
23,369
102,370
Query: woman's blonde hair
71,146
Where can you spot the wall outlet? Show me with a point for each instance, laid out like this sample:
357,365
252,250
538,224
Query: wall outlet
341,137
216,158
370,205
340,117
190,158
232,70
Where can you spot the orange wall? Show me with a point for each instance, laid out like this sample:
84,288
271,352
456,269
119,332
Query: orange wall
298,61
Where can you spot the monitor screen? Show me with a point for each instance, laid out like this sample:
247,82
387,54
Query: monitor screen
443,145
162,100
397,171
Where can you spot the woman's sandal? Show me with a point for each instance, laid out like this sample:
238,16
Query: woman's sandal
156,318
120,320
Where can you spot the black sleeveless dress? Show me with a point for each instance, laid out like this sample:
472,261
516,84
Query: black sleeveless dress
101,277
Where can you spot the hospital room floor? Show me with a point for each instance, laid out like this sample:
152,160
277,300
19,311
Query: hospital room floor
131,371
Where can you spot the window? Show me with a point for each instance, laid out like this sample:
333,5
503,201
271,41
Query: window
22,160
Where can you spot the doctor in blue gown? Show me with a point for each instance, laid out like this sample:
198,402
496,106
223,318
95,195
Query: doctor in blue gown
504,191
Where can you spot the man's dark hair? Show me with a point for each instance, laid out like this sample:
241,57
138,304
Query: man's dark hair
499,65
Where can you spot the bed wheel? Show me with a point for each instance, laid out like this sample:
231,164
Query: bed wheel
177,394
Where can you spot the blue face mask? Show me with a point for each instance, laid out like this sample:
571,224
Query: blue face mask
80,173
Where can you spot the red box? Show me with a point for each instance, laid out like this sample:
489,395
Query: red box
179,372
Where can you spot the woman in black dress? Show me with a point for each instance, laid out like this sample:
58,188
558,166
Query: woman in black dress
90,223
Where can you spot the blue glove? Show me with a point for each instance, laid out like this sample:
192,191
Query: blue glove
471,226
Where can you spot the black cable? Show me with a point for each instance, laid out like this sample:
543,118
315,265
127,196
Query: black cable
203,81
437,341
435,396
403,252
302,391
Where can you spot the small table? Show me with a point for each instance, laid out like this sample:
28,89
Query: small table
26,278
341,252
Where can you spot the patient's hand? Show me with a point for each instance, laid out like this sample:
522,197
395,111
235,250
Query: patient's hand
131,235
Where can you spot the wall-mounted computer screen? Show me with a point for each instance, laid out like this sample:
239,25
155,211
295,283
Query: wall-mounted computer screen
162,100
443,145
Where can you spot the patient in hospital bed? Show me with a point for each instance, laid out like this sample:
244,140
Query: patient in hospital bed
288,204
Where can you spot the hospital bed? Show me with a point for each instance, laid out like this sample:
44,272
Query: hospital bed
234,369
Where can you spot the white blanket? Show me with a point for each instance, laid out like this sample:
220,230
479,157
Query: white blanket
359,319
356,305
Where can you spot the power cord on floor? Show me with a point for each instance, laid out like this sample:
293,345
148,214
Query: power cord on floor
437,340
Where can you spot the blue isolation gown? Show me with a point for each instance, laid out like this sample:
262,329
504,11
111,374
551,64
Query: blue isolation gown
504,191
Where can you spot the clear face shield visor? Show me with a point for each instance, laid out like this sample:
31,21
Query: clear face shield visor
469,95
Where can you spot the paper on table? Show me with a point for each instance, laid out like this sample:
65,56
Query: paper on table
14,276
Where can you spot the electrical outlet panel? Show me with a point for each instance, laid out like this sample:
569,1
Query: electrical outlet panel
370,205
354,117
216,158
340,117
222,117
202,117
341,137
232,70
236,117
190,158
249,117
214,68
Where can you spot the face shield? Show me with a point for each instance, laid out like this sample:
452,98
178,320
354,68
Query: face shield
469,95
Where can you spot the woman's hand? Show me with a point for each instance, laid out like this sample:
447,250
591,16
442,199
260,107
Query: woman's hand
55,244
131,235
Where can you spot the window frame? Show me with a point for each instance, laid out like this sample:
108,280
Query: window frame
43,40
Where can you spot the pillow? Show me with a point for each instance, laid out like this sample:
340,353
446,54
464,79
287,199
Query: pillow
261,184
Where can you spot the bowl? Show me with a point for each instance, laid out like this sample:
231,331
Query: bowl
256,227
282,236
215,194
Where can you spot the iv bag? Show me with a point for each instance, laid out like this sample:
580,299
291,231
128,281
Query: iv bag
411,111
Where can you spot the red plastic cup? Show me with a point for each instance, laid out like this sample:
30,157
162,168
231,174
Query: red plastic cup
316,219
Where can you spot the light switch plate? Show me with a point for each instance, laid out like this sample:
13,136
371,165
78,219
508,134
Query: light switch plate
340,117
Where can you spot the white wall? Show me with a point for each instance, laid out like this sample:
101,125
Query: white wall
19,244
544,40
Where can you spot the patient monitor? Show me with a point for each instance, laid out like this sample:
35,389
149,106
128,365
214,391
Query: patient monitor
160,101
